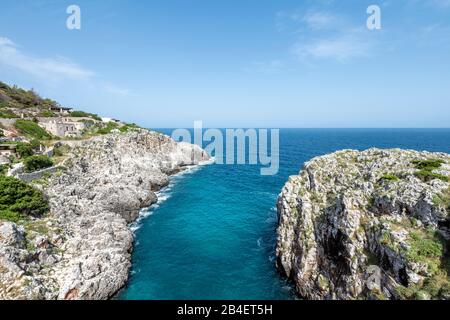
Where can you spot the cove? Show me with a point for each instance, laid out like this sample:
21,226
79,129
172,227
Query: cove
213,234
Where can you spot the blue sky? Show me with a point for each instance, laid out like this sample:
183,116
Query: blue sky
236,63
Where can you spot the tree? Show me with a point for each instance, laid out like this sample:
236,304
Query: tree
35,144
24,149
35,163
17,199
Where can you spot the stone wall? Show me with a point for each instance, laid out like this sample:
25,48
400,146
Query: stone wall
7,122
28,177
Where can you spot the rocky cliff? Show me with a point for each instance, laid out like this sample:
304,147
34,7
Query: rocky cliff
367,225
82,248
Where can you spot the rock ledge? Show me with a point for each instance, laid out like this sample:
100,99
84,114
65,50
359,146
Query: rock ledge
367,225
82,249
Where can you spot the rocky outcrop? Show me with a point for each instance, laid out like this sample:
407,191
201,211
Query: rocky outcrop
367,225
82,249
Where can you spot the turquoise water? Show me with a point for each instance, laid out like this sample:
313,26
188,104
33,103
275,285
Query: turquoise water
213,234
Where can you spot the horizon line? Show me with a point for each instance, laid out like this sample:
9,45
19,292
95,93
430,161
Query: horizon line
314,128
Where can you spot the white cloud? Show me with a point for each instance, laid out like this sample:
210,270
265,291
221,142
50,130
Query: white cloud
322,34
313,20
52,69
342,47
317,20
5,42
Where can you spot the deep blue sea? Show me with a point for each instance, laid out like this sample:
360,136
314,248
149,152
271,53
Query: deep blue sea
212,236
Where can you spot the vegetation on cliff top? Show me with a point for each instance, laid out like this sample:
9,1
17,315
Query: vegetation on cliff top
19,200
14,97
82,114
443,200
426,168
374,211
110,126
390,177
3,169
25,149
35,163
428,248
7,114
32,129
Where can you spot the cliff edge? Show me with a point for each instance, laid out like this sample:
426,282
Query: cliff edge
82,248
367,225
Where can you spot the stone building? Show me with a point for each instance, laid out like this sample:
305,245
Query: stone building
63,127
7,150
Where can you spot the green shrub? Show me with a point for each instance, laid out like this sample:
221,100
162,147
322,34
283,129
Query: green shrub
79,114
426,168
61,151
24,149
95,117
427,176
428,165
435,287
427,248
3,169
11,216
32,129
82,114
443,199
35,144
88,123
47,114
109,127
35,163
2,134
3,104
7,114
128,126
19,200
390,177
58,152
23,99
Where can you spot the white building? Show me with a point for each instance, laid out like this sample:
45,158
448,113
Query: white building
107,120
63,127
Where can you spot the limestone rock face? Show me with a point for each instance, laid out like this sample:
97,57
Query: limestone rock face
11,235
371,225
85,250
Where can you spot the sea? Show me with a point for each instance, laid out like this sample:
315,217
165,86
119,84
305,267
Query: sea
212,234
